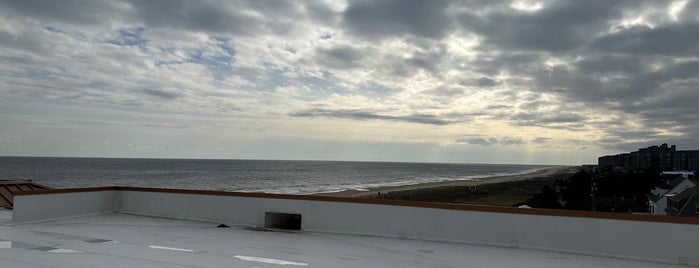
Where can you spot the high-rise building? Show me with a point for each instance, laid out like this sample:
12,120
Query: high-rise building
663,156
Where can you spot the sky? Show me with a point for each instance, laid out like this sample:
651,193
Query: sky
531,82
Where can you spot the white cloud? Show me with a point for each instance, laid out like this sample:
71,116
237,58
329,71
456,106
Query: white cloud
541,75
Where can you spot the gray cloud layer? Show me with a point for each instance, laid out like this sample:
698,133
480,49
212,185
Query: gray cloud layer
622,72
364,115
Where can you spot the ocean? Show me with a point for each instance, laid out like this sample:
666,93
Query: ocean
269,176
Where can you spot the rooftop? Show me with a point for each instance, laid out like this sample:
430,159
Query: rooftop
135,241
145,227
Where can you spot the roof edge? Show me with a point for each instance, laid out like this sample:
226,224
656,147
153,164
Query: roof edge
372,201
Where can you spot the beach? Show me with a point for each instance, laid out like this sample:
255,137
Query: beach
444,186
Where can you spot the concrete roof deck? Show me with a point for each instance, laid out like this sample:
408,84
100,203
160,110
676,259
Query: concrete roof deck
123,240
177,228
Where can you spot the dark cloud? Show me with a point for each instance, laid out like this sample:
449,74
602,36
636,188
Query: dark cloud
540,140
488,141
346,56
621,133
560,26
662,95
498,107
322,13
449,92
428,60
24,42
151,125
552,120
340,57
633,70
479,141
370,115
465,116
690,13
127,37
71,11
673,39
481,82
511,141
533,105
485,82
207,16
591,86
618,64
161,94
382,19
518,62
623,145
630,70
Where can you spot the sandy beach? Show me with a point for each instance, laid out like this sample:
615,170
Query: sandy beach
444,184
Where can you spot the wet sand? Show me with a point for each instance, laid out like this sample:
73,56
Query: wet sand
375,192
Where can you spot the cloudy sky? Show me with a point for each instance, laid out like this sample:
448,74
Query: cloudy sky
550,82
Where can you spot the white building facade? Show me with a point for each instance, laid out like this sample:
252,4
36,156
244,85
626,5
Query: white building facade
658,200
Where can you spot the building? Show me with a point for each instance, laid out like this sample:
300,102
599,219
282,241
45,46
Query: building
589,168
684,204
664,157
658,199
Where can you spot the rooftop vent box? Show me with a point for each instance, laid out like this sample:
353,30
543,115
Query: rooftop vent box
283,221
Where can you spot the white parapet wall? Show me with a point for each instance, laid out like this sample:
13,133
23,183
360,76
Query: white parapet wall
56,205
625,236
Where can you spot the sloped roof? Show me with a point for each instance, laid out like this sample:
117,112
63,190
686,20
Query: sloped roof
685,194
9,188
676,181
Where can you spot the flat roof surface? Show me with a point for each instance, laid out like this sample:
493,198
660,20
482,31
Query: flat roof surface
122,240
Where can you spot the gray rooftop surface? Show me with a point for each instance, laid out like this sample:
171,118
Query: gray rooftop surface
121,240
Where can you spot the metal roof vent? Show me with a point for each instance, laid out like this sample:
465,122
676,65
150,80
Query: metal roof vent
283,221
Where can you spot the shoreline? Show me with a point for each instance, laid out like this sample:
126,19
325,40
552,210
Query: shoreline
373,192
